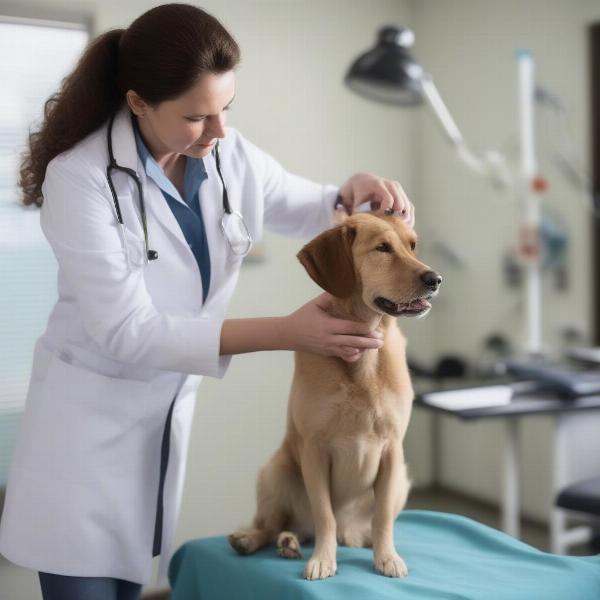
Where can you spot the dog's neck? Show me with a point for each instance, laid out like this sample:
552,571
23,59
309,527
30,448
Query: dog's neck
354,309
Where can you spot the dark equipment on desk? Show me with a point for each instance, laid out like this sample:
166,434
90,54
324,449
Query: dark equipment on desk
563,379
446,367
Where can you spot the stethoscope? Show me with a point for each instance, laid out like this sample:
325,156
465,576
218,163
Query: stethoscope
233,225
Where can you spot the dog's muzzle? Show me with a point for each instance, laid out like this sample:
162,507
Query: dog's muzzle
410,309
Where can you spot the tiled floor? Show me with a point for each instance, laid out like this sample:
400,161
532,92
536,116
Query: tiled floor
532,533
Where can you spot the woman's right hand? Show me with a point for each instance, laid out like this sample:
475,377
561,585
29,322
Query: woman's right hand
312,329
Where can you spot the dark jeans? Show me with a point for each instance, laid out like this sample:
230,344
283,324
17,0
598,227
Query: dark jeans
65,587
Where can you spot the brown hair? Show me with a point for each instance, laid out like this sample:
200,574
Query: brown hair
162,55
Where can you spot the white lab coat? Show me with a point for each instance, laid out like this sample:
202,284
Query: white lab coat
120,344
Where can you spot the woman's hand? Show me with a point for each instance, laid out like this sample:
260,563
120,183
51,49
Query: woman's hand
383,194
312,329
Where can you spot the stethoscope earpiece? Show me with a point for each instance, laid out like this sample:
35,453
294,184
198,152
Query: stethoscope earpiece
152,254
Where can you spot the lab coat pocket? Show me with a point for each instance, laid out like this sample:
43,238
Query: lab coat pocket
135,249
86,424
234,261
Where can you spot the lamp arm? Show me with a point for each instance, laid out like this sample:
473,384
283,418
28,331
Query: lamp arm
492,164
440,110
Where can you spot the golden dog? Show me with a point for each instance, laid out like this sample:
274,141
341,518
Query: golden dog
339,475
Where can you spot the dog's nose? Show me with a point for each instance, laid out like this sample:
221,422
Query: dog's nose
431,279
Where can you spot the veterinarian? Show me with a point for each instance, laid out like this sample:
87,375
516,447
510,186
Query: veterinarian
150,205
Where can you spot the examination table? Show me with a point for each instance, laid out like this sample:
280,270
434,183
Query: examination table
449,557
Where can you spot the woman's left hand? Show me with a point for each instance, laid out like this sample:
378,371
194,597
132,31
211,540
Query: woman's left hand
383,194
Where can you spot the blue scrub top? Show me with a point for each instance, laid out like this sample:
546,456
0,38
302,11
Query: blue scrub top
188,214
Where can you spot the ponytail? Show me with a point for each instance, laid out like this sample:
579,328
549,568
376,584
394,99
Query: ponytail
84,101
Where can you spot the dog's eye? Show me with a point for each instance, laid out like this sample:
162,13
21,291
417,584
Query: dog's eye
413,245
384,248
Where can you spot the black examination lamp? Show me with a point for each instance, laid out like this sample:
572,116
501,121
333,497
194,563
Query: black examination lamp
387,73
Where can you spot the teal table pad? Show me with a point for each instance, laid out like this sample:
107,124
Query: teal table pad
449,557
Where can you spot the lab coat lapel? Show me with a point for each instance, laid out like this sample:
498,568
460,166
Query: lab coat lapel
211,193
159,212
125,151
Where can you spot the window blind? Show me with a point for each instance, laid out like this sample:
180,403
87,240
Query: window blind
36,55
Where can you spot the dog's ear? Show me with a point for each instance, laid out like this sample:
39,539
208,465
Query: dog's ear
328,260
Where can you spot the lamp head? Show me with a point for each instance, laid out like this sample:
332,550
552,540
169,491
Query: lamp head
388,73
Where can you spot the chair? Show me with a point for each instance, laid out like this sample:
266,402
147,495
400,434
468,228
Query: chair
582,498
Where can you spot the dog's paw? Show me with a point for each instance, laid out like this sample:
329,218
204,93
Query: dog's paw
242,541
391,565
288,545
320,568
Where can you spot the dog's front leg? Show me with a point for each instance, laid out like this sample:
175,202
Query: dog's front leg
315,472
391,482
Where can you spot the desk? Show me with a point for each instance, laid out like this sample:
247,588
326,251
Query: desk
528,399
